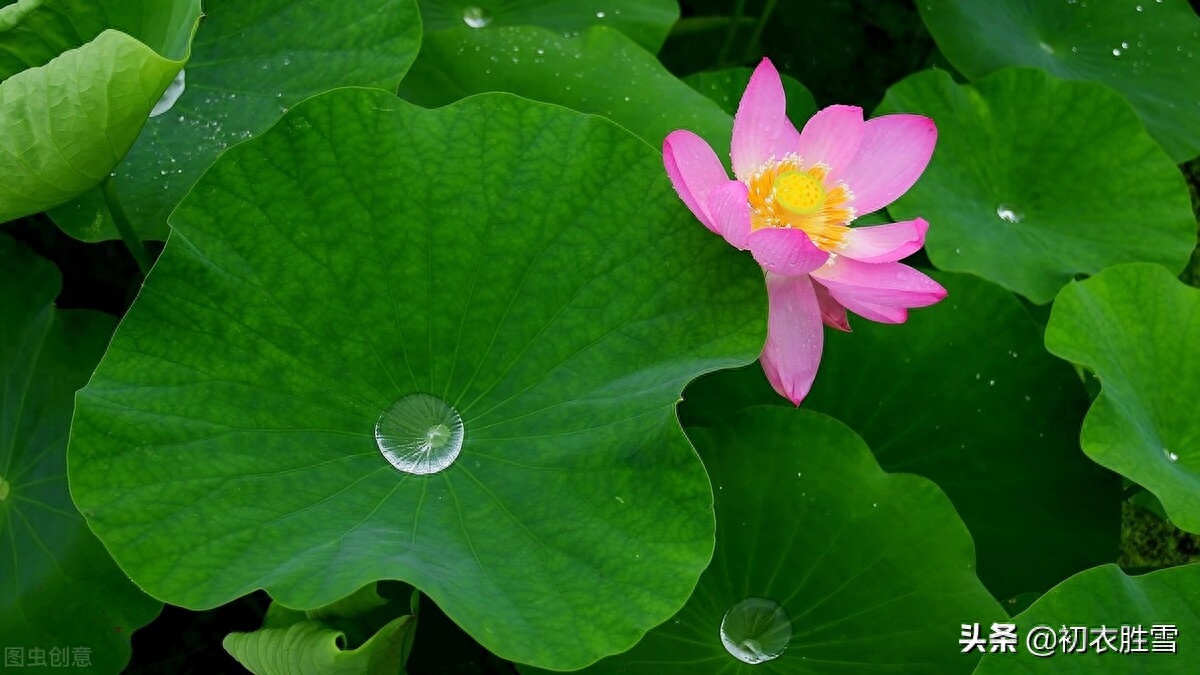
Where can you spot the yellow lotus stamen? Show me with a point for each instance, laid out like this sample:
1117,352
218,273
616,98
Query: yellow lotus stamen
800,193
781,194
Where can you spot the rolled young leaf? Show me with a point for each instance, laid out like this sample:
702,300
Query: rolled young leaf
68,118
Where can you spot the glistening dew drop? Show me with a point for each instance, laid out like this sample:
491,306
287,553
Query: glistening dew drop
477,17
1009,214
420,434
170,96
755,630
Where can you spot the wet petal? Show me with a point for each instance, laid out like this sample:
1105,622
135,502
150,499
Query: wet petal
694,170
795,336
892,284
833,314
786,251
832,136
895,149
873,312
884,243
731,213
761,129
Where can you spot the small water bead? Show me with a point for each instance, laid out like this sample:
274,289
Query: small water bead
420,434
755,630
1009,214
170,96
600,15
477,17
1170,455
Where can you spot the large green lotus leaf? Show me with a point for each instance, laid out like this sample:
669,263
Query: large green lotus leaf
599,71
726,86
1036,179
1157,610
251,61
75,92
60,588
646,22
873,571
965,394
1145,49
1137,328
364,251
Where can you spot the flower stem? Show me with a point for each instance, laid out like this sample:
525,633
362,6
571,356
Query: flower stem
136,248
730,34
758,29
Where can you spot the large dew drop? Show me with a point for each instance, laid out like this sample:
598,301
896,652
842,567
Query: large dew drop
1009,214
419,434
755,630
477,17
170,96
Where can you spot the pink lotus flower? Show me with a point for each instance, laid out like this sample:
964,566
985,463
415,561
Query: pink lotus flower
792,204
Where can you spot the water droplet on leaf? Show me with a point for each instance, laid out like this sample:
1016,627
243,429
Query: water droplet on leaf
170,96
755,630
420,434
477,17
1009,214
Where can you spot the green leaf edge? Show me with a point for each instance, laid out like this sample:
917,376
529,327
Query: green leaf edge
1184,513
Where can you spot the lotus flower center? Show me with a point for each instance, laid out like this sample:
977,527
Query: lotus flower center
799,192
787,193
